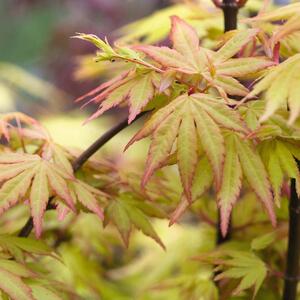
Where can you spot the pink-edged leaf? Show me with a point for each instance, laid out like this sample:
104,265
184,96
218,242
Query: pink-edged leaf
62,210
39,197
14,189
186,41
155,120
169,58
105,93
8,171
202,180
16,268
183,205
187,154
140,95
231,183
161,146
59,186
103,86
113,99
221,113
256,175
288,163
13,286
87,199
240,67
293,100
230,85
212,142
11,158
234,45
60,159
166,80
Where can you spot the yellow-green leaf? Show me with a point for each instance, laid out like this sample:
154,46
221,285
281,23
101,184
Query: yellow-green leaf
231,182
187,154
39,197
256,175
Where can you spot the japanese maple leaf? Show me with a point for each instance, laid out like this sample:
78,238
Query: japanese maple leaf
19,118
12,275
125,213
244,266
281,87
192,120
26,175
218,69
240,161
278,156
135,87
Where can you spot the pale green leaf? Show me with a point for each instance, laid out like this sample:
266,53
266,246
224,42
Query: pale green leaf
87,199
39,197
169,58
275,175
14,189
14,286
26,244
161,146
15,268
140,95
234,45
8,171
220,112
202,180
247,267
231,182
230,85
60,159
59,185
43,293
256,175
263,241
117,213
244,66
187,155
186,41
141,222
212,142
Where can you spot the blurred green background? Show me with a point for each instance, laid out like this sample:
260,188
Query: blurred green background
38,58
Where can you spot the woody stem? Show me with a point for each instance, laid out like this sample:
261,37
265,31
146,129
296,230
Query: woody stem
230,11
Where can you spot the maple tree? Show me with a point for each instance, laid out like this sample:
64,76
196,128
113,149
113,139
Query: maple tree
223,121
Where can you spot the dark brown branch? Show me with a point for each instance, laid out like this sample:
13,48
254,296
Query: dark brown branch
230,11
78,162
293,254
